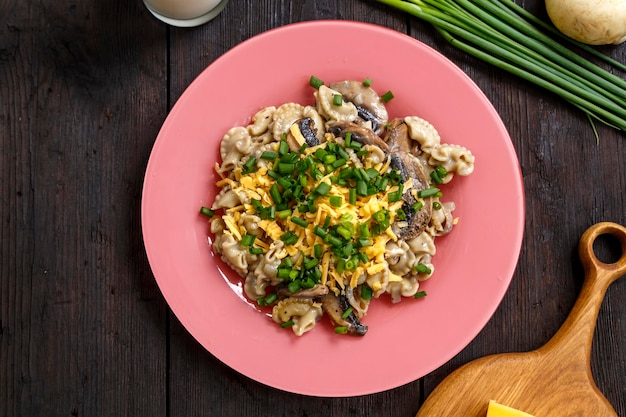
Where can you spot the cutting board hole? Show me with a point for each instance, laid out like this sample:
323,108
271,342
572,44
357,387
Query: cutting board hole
607,248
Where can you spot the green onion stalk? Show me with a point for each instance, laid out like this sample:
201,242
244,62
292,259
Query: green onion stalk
505,35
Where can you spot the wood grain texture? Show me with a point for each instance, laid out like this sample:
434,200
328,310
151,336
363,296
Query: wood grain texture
554,380
84,330
82,322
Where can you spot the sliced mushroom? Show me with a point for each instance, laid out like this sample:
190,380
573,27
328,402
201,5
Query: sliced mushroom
301,132
335,306
410,166
318,290
370,106
398,139
308,130
358,133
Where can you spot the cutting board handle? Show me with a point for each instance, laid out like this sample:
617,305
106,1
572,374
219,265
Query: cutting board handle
575,336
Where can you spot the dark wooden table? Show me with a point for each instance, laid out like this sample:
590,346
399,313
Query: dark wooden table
84,329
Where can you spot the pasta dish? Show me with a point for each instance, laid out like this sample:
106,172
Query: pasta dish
323,208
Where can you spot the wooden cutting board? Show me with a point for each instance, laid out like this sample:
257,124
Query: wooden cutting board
552,381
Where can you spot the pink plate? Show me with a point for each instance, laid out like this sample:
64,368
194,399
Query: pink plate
474,264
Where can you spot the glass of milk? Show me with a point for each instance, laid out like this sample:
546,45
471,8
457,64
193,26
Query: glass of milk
185,13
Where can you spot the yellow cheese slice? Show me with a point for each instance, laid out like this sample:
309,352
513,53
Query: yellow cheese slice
499,410
295,131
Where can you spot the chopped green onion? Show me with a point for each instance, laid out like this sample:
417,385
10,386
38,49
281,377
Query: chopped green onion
337,100
315,82
256,204
283,273
322,189
381,183
207,211
435,177
283,214
248,240
352,196
339,163
320,153
269,155
249,166
329,159
351,264
394,196
436,205
320,232
344,232
293,286
362,257
287,324
354,145
270,298
316,173
285,168
336,200
341,266
303,180
290,158
420,294
423,269
364,230
341,330
275,194
316,274
289,238
317,250
348,139
381,216
429,192
308,283
255,251
299,221
438,174
311,263
367,82
387,97
363,242
417,206
285,182
347,250
361,188
347,313
372,173
366,292
283,147
342,154
333,240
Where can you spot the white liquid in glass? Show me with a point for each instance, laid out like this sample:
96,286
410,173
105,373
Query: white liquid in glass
185,12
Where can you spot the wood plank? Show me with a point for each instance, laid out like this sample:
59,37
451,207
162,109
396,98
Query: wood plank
83,324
